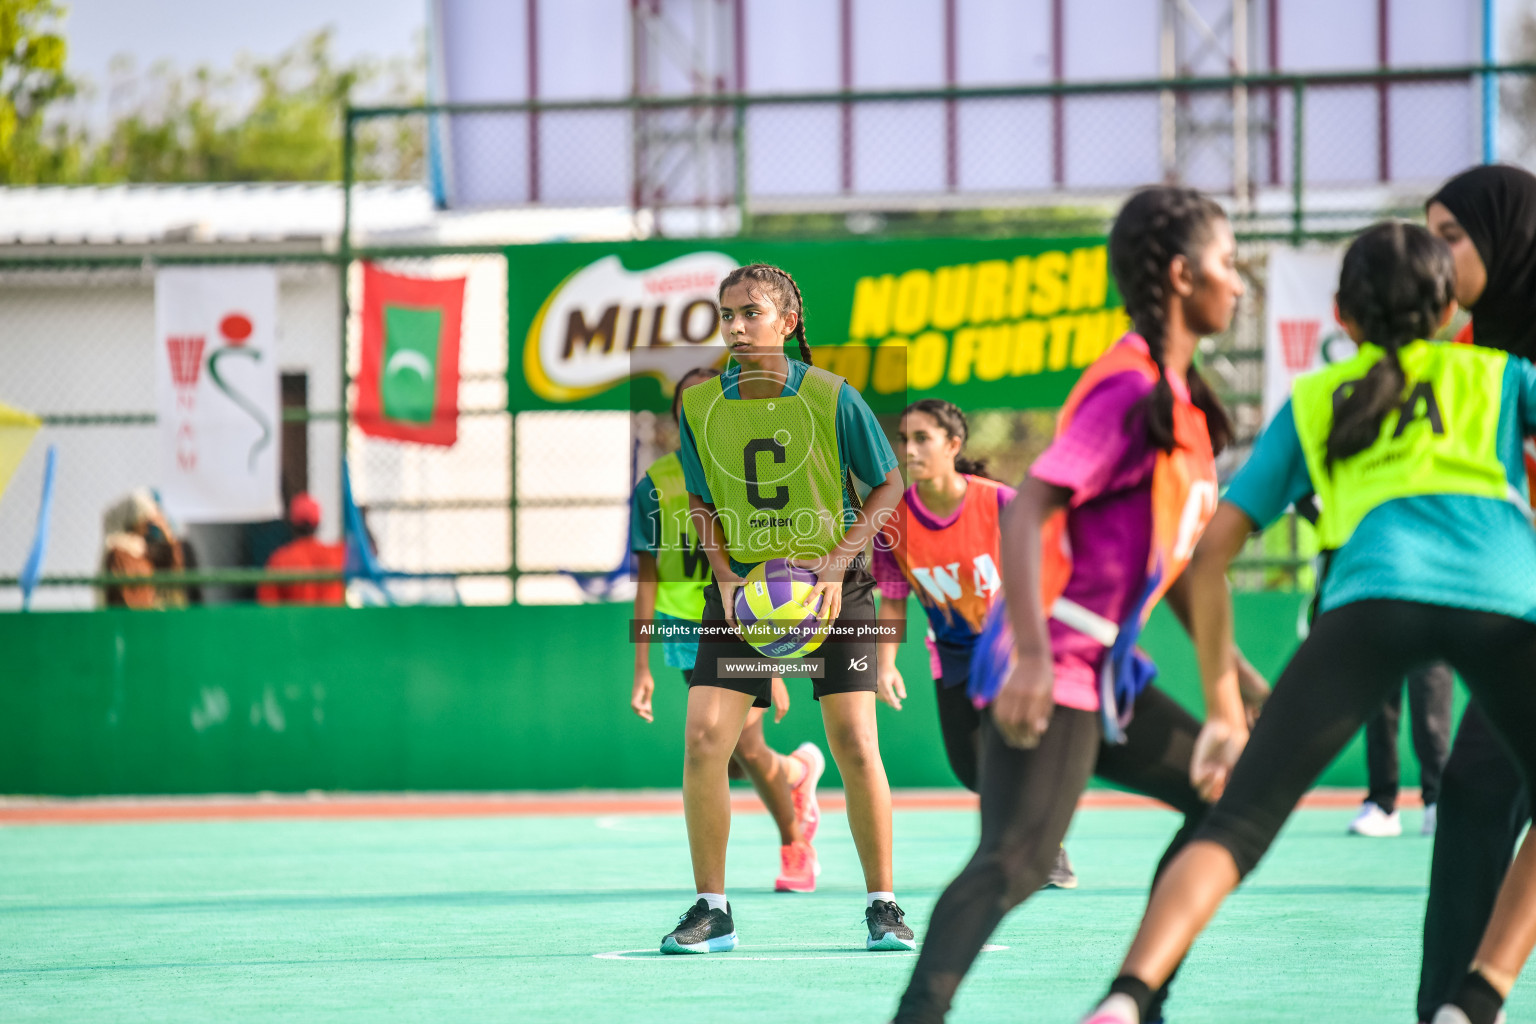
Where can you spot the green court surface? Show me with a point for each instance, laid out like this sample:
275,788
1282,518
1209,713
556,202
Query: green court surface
534,919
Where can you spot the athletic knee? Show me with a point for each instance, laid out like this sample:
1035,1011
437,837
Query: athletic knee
854,746
705,747
1020,871
1245,845
752,751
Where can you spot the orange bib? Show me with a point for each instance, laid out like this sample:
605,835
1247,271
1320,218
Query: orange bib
1183,501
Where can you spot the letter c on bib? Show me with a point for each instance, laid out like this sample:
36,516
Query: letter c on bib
780,496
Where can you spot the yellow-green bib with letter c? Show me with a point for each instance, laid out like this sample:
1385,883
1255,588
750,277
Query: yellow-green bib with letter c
772,466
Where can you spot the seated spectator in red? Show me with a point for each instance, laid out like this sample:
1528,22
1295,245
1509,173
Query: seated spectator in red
305,551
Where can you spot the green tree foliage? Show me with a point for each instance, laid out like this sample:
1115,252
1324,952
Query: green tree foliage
205,125
264,120
31,77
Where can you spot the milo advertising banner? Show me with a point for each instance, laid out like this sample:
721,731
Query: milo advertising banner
994,323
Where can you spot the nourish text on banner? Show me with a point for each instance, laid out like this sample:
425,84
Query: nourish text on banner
986,323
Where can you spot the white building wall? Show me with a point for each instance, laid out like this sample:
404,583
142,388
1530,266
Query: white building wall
81,342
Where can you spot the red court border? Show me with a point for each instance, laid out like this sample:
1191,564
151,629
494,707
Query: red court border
325,806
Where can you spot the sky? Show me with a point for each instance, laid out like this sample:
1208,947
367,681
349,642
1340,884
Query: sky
215,32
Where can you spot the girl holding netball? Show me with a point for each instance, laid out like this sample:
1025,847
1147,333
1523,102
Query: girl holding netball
942,544
769,450
1100,529
672,575
1414,449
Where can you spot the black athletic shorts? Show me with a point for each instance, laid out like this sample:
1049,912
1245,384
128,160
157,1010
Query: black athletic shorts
846,667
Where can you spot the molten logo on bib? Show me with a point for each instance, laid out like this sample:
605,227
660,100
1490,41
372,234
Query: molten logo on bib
605,323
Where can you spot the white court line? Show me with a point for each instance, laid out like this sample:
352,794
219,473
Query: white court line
627,823
654,954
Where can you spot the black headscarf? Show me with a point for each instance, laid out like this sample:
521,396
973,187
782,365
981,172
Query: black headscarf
1496,204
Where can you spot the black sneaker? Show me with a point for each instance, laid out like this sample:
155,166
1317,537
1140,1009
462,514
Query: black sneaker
1062,876
887,927
702,930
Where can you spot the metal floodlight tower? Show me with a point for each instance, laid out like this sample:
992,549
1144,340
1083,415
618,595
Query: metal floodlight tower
1207,37
685,157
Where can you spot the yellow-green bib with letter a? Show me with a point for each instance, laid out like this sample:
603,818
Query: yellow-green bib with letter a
1441,439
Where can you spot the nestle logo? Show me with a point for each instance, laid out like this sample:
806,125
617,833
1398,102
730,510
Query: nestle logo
692,281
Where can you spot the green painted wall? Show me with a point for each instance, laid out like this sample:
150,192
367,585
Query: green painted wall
242,699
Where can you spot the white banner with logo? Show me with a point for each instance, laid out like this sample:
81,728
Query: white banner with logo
216,382
1300,331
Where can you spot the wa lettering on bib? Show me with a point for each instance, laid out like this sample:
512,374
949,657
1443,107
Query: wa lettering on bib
952,569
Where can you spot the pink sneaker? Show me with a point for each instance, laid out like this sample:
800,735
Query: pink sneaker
799,868
807,810
1116,1009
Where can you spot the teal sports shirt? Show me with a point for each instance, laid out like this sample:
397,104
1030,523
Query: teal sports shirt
1445,549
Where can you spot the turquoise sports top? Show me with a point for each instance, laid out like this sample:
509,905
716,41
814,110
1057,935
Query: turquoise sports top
1446,549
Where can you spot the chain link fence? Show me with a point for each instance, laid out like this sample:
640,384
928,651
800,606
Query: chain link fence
533,506
538,501
79,354
1289,149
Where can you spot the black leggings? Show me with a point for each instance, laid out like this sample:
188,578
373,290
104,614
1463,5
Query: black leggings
1337,679
960,723
1027,801
1483,806
1429,714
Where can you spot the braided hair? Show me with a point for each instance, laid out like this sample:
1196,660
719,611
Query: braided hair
1396,281
783,290
948,416
1156,225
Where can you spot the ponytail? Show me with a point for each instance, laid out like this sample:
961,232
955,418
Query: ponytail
1396,281
1156,225
971,467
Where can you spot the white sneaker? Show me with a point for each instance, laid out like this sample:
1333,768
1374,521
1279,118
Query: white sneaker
1449,1014
1431,817
1376,823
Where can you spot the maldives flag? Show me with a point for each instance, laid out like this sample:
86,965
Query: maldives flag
408,387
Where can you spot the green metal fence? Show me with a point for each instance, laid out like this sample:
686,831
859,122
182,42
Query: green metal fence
1288,210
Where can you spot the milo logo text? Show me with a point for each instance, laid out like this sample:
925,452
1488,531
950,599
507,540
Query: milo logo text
606,322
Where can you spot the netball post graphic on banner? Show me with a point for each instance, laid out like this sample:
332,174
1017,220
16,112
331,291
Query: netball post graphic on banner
1300,331
216,382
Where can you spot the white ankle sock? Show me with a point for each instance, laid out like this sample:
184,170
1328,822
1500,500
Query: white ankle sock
889,897
716,900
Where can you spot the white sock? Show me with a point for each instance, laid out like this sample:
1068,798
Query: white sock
716,900
889,897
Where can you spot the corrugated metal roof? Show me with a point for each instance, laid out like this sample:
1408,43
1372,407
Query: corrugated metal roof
234,213
279,217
